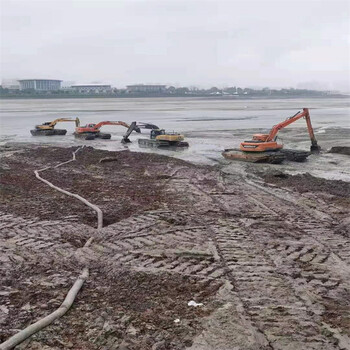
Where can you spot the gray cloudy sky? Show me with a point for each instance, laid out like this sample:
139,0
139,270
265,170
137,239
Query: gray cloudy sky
195,43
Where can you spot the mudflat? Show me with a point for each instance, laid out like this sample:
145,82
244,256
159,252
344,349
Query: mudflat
266,254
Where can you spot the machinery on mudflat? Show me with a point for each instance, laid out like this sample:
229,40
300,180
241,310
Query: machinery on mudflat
158,137
92,131
137,126
264,148
48,128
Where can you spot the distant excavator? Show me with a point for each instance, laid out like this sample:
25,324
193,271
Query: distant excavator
48,128
265,148
92,131
137,126
158,137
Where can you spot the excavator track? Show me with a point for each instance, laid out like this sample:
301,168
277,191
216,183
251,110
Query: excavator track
92,136
271,157
295,155
256,157
38,132
148,143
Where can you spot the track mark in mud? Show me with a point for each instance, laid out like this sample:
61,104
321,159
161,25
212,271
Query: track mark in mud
241,253
279,273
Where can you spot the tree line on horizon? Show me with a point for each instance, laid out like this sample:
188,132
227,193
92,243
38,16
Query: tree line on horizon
172,91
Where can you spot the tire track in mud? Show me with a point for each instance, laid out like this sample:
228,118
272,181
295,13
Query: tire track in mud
25,240
282,311
310,255
184,250
283,270
268,298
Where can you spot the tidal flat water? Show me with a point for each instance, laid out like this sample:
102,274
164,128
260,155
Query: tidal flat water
209,126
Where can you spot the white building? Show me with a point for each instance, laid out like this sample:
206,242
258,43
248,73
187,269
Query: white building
40,84
92,88
11,84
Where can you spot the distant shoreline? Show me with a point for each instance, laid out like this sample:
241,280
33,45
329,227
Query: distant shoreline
197,97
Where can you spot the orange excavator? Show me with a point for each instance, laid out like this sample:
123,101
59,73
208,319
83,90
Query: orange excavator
92,131
265,148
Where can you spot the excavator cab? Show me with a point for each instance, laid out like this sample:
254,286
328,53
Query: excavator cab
157,132
260,137
44,126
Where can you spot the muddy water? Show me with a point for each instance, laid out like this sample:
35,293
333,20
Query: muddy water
209,125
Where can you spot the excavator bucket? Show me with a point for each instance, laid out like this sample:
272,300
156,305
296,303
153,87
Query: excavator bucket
315,148
134,126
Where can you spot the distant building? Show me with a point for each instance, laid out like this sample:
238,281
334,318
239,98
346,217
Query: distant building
11,84
67,84
146,88
40,84
92,88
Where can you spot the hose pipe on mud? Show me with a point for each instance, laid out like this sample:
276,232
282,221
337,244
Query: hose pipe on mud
73,292
46,321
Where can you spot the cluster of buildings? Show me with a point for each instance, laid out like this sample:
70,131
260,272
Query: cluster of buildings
47,85
29,87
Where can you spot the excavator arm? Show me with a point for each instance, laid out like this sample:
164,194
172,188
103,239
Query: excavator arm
290,120
53,123
267,142
100,124
134,126
314,146
95,128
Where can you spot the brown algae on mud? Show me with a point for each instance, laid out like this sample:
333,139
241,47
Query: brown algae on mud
174,232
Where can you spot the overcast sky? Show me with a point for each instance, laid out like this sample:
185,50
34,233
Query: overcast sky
194,43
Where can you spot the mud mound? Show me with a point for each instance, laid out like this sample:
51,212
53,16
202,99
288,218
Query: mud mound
308,183
340,150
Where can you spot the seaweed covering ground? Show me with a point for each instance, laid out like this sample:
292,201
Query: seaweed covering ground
266,261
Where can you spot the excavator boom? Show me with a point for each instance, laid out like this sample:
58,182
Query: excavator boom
53,123
95,128
276,128
134,126
91,131
100,124
267,142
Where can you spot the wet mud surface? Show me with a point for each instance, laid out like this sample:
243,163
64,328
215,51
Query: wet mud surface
266,254
335,192
307,183
126,184
340,150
